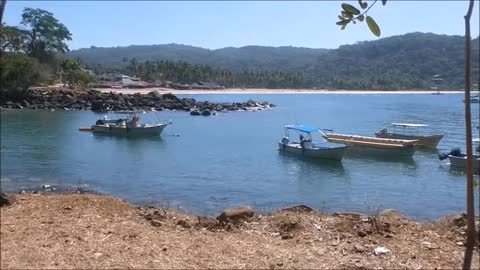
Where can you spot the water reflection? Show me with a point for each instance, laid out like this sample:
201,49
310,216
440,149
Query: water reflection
300,162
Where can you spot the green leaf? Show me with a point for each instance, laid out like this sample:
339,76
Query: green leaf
384,2
341,18
350,9
361,18
343,27
362,4
347,15
373,26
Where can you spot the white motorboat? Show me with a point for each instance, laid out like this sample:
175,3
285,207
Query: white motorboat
458,160
372,146
306,148
407,131
127,126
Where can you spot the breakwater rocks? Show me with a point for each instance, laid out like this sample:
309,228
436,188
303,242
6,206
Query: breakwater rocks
102,102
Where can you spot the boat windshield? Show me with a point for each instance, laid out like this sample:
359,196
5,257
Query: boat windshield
407,128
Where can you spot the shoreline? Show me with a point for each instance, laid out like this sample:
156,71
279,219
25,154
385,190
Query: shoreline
101,231
269,91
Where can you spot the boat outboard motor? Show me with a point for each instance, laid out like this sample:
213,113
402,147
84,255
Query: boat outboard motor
454,152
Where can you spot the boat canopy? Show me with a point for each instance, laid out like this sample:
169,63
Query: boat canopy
302,128
408,125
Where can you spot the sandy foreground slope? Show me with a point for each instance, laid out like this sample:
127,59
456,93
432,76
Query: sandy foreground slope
94,231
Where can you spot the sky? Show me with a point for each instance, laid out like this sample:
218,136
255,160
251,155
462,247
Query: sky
218,24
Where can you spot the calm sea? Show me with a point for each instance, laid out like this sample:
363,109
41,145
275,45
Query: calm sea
205,164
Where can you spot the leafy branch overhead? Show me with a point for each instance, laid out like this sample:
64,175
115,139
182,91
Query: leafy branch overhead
351,14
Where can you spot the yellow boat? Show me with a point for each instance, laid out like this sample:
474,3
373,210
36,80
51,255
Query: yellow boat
374,146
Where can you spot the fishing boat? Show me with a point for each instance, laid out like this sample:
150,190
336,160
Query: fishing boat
305,146
128,124
372,146
407,131
458,160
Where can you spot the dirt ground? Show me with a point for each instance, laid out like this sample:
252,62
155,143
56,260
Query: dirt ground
93,231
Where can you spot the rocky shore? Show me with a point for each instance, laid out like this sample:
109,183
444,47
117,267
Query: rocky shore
91,231
97,101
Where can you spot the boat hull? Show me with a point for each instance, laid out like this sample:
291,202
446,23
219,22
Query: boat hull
330,153
426,141
153,130
461,162
376,147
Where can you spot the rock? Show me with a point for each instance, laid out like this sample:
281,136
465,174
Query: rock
155,94
207,222
287,236
5,200
299,208
381,251
185,224
391,213
156,215
206,113
156,223
195,113
361,233
169,96
235,215
25,103
358,248
429,245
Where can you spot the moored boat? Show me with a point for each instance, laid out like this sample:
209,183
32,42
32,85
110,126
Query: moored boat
305,146
372,146
127,126
458,160
407,131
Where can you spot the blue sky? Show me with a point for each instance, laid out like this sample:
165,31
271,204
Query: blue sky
218,24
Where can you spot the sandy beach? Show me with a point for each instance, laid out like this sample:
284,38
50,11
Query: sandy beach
270,91
85,231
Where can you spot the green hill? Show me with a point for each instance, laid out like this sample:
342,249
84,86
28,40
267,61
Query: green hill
400,62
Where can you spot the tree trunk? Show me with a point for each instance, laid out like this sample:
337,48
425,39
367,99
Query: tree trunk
2,8
468,137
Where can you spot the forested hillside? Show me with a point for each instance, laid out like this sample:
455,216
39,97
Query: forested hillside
400,62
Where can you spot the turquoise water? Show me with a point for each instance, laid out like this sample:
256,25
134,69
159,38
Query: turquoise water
231,159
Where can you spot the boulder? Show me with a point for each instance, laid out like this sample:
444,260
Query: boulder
5,200
206,222
194,112
155,94
169,96
206,113
236,215
25,103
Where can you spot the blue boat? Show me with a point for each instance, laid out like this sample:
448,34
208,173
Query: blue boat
305,146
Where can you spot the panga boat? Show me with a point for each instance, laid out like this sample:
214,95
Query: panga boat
362,145
127,126
458,160
305,147
406,131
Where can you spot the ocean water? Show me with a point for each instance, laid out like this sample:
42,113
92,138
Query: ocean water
205,164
